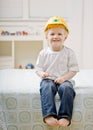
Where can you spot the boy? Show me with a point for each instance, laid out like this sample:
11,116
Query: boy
56,65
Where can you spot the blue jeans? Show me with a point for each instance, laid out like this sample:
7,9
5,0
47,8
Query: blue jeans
48,90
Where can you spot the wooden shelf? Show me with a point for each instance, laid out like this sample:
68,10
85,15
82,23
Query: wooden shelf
21,38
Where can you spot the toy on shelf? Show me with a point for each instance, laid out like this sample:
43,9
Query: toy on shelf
29,66
18,33
20,67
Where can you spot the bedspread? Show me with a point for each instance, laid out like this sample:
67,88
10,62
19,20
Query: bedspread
20,106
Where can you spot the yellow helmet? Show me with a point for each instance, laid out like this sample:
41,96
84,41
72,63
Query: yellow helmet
56,21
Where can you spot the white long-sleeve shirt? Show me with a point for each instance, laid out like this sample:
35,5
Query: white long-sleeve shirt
57,63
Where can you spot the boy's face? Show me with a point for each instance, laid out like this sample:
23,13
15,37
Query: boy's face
56,37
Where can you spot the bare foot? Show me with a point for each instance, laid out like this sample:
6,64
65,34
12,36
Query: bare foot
51,121
63,122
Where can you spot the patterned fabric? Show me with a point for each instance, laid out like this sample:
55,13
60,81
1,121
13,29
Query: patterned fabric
20,105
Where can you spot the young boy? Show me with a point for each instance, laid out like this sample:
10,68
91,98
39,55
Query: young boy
56,65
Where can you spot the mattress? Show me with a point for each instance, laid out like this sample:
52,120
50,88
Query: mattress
20,105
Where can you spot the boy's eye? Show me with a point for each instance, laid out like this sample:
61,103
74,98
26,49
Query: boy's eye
59,34
52,34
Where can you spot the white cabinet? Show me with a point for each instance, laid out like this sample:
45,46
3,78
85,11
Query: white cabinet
33,9
6,54
11,9
19,50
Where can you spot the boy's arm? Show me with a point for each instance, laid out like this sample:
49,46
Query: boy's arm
65,77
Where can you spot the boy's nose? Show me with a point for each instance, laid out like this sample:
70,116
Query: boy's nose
55,36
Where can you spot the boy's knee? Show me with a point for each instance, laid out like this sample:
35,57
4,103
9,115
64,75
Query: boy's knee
66,87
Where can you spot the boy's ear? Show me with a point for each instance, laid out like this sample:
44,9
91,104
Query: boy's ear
66,37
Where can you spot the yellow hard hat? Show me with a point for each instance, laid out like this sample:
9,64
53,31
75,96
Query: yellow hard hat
56,21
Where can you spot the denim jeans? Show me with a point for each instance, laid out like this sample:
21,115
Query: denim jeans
48,90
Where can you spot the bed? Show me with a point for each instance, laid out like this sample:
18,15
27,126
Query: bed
20,106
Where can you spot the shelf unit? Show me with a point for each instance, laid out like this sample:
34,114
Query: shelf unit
19,50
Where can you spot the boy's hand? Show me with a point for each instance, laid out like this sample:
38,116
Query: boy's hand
59,80
44,75
65,77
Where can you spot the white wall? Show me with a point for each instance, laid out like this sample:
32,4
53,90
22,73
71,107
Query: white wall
82,32
87,47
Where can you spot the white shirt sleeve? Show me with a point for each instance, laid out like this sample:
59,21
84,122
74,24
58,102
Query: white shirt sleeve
72,62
